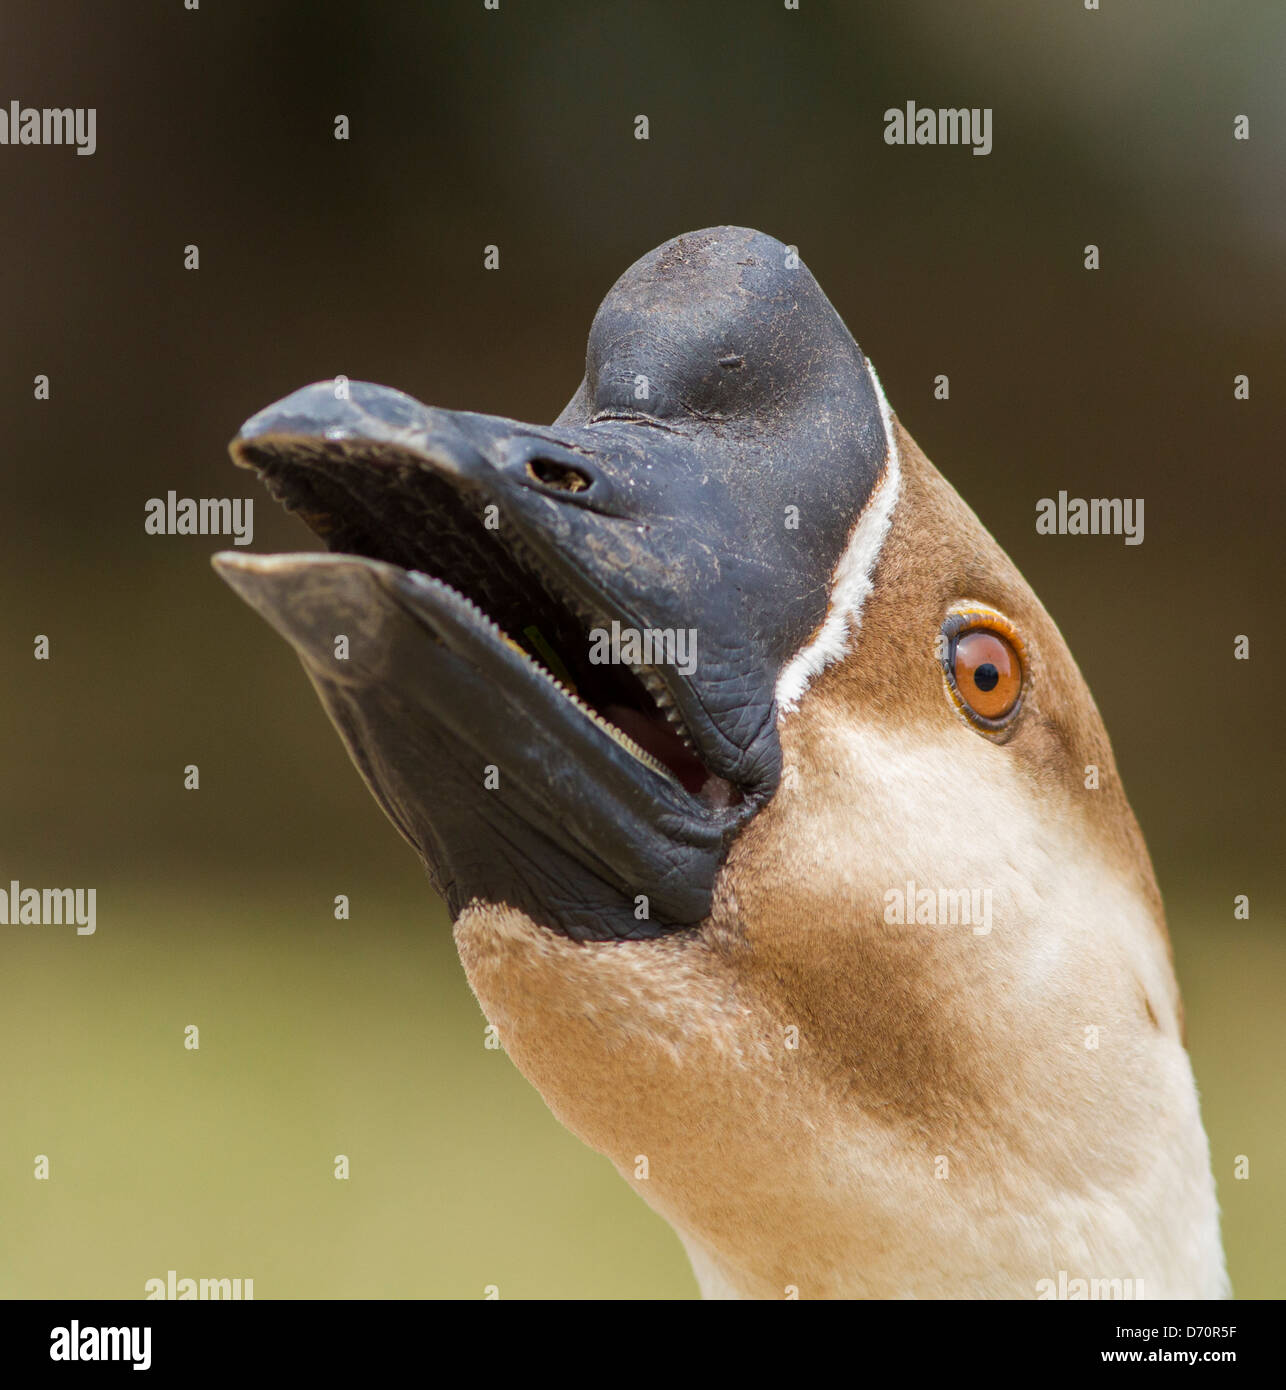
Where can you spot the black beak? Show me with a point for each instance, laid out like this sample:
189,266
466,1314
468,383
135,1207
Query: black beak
552,651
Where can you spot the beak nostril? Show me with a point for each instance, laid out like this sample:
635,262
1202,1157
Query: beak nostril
559,475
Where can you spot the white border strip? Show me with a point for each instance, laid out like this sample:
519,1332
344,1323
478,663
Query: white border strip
852,580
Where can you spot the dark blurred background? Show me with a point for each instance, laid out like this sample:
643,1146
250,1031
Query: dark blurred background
365,257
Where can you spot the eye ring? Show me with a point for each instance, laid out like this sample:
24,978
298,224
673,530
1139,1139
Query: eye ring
986,676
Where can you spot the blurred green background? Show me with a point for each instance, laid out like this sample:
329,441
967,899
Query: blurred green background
366,257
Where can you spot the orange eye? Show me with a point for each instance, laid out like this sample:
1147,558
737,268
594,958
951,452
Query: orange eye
983,666
987,673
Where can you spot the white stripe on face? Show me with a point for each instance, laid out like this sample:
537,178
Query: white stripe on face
852,581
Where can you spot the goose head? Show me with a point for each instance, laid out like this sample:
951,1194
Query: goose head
783,840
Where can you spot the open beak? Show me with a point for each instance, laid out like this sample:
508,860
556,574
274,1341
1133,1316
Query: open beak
550,651
466,689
